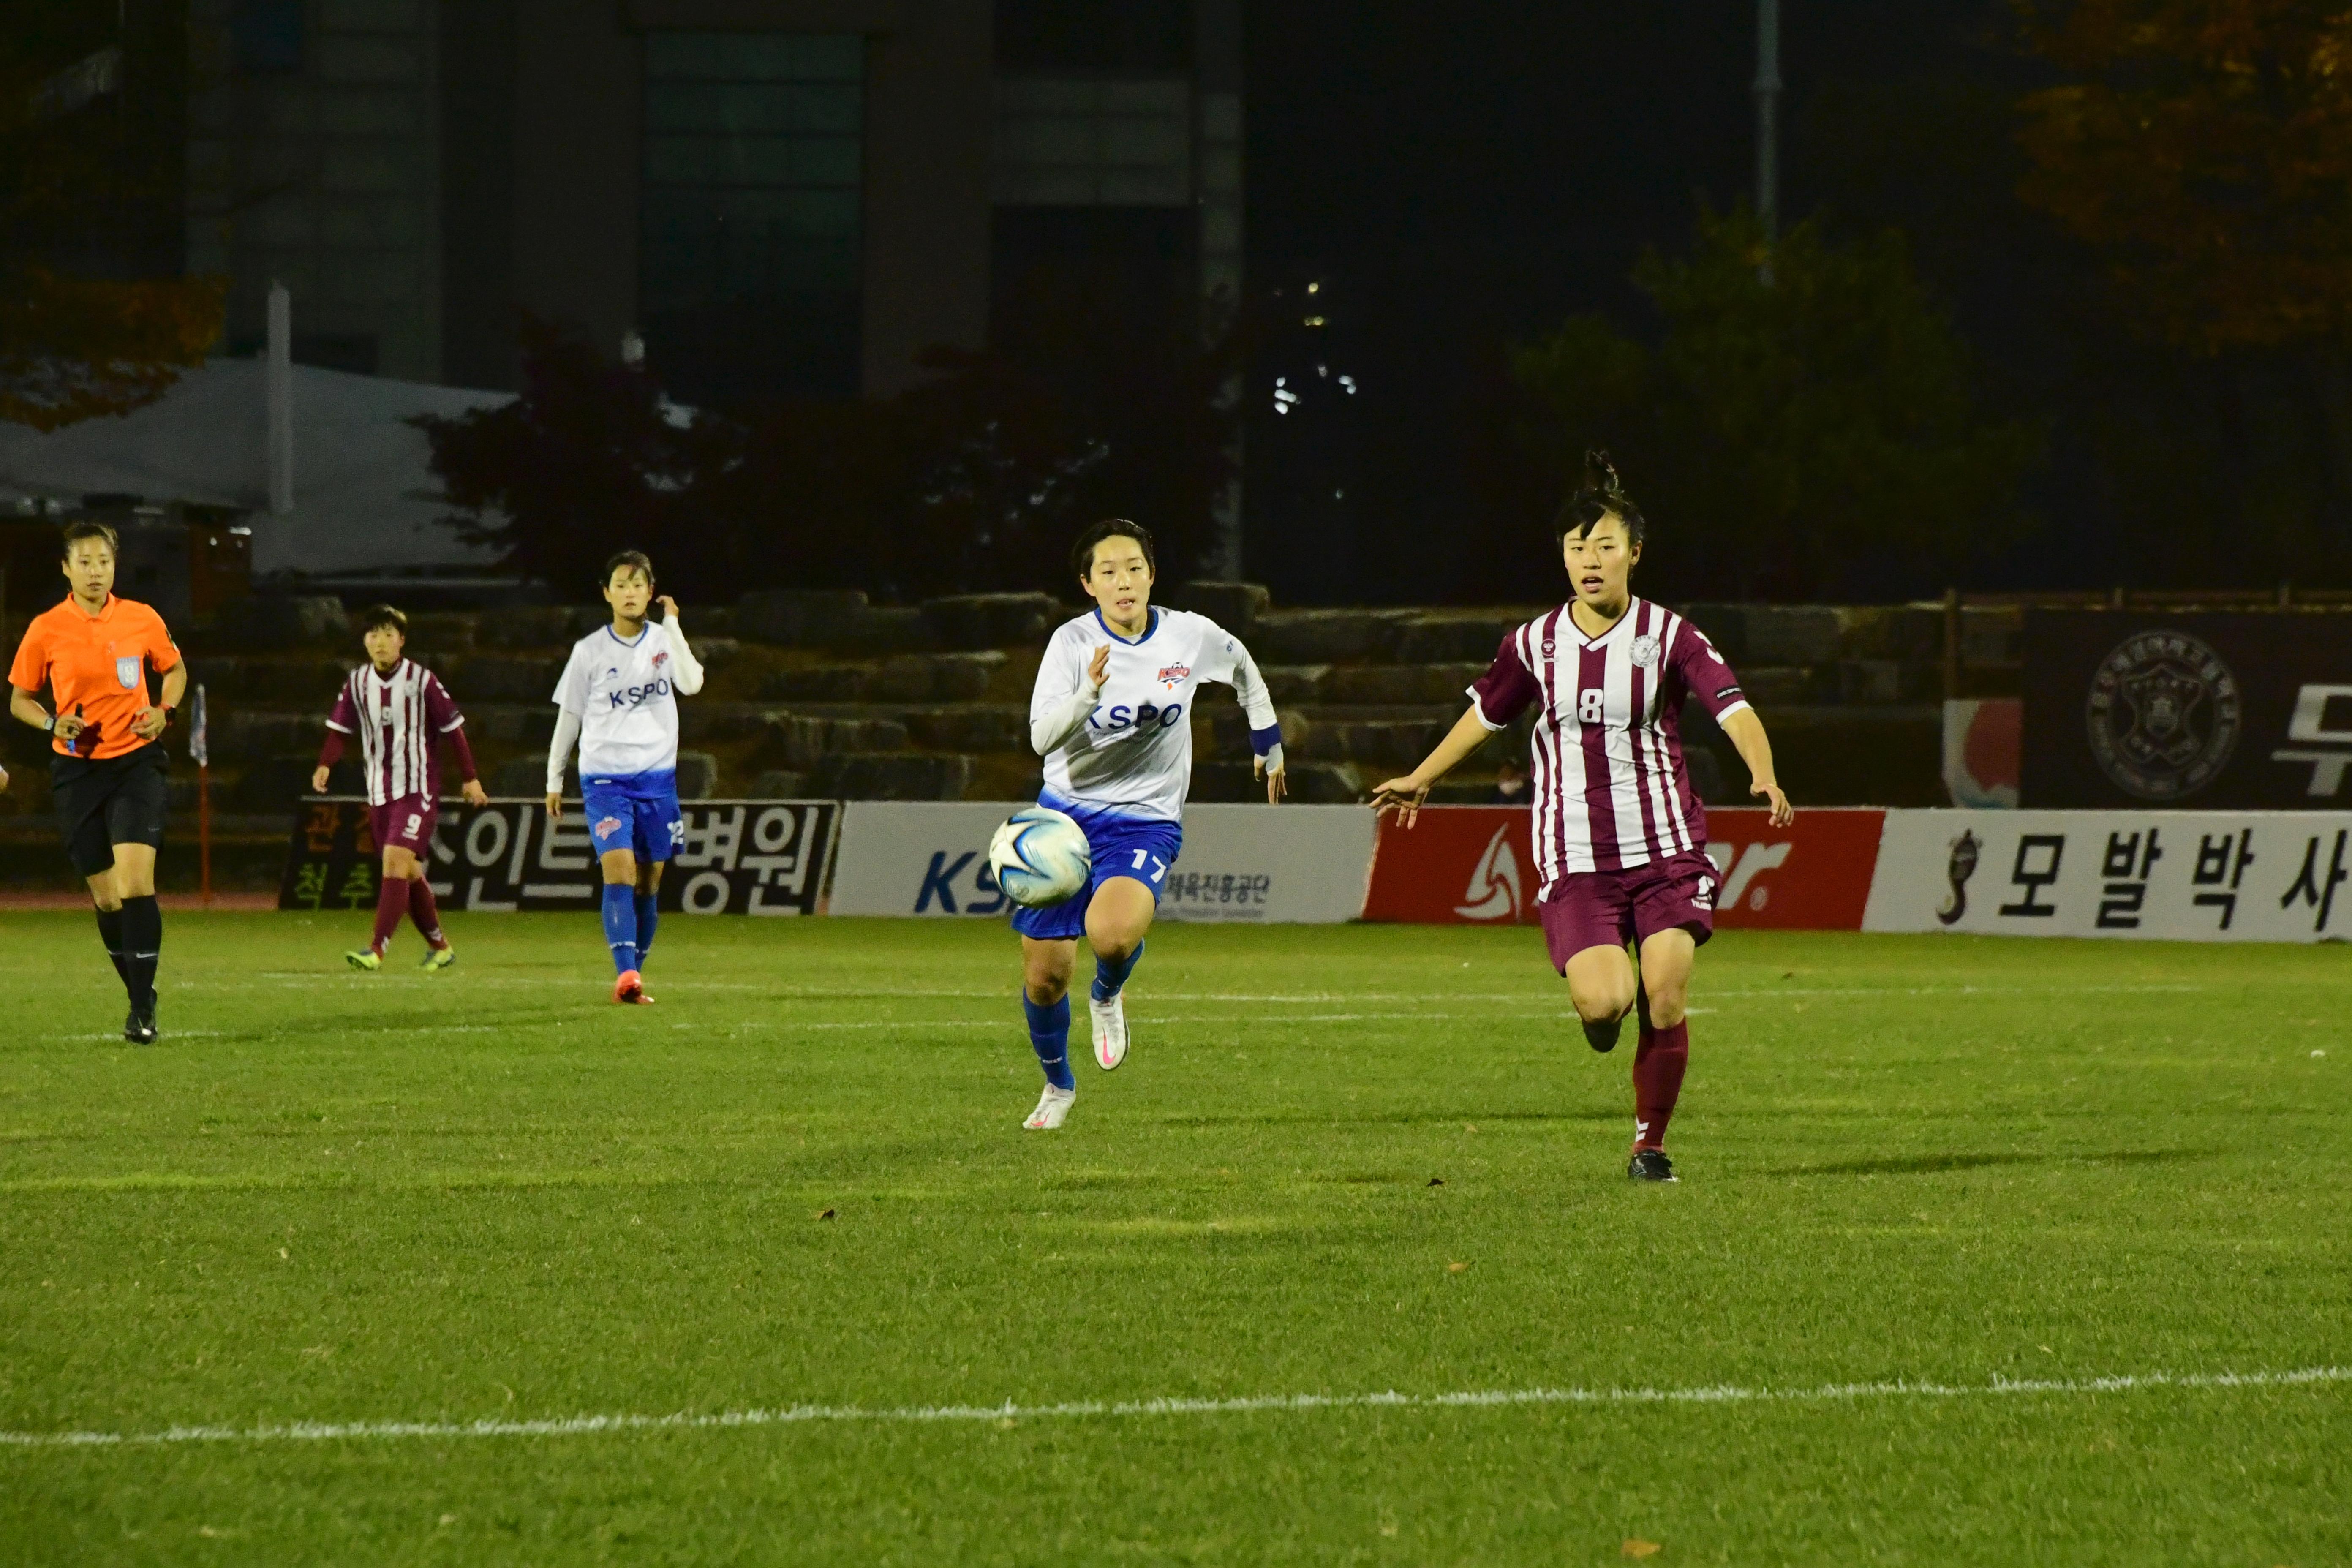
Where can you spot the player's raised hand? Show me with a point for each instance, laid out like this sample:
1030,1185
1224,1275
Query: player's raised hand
317,781
669,608
554,807
474,793
1403,797
1099,670
1783,813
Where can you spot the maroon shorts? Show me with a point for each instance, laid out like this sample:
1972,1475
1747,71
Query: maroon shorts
1609,908
403,823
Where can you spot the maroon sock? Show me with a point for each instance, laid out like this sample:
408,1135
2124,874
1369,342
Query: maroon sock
422,909
391,903
1658,1064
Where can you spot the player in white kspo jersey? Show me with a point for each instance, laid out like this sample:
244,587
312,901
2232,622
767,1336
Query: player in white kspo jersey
1112,717
618,698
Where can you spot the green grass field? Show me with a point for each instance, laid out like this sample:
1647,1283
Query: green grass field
801,1182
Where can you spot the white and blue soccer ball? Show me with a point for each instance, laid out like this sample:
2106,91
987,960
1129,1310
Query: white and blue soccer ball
1040,857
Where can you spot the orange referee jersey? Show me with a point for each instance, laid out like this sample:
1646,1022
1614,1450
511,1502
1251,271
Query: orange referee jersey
97,663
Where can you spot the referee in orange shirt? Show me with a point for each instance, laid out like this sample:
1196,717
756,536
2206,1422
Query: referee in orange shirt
93,653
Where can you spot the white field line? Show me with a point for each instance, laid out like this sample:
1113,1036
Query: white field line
802,1415
812,994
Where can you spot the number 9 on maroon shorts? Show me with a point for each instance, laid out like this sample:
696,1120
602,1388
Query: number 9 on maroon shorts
405,824
1609,908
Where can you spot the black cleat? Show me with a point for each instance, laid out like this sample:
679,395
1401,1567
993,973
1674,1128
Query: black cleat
1651,1165
139,1027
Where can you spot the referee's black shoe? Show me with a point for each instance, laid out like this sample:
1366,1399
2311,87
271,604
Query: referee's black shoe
139,1027
1651,1165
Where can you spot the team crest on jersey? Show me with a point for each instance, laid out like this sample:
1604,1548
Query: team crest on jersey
126,671
660,658
1173,674
1645,650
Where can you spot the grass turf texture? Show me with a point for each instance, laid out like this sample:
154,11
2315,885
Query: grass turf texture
489,1193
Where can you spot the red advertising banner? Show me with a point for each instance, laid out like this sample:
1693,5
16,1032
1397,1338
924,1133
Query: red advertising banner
1474,865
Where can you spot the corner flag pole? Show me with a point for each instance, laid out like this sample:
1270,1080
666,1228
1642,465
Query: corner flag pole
199,750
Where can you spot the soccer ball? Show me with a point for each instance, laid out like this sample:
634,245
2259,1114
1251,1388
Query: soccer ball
1040,857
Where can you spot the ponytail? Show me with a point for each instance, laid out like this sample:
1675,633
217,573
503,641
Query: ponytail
1602,495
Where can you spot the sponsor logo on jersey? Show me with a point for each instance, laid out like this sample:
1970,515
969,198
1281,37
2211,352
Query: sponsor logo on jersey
1171,675
637,696
2162,715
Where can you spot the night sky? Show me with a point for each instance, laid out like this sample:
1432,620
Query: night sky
1467,185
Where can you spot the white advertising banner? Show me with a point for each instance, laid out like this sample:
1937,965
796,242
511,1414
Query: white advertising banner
1270,864
2183,875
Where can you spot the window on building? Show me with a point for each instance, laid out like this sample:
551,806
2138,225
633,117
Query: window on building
749,270
1132,37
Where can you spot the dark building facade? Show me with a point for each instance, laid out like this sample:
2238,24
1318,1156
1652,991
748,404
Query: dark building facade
777,197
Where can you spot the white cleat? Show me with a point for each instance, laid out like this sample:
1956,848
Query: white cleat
1110,1031
1053,1106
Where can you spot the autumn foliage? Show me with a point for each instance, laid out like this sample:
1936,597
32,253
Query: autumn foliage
2205,148
76,348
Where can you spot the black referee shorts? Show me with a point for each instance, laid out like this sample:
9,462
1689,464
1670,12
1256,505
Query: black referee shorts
103,802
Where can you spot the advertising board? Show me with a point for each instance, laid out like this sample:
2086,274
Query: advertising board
739,856
2249,876
1289,864
1474,863
2167,709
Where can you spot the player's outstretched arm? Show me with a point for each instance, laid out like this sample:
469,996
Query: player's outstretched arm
690,668
1405,796
1746,733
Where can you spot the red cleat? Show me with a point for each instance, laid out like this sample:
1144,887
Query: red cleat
630,990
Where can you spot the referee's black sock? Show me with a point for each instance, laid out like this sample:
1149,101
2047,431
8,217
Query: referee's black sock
109,932
143,937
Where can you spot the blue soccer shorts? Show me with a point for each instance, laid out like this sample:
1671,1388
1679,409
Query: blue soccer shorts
636,812
1142,847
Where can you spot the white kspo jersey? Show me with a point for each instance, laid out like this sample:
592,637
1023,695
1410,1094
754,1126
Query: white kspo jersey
624,695
1134,753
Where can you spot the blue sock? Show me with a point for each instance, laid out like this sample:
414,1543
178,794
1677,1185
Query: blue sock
1109,977
620,925
1049,1033
647,918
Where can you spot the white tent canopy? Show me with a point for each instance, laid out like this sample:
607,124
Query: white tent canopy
365,498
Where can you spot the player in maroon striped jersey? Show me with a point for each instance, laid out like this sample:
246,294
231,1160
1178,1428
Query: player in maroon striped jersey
1620,836
401,713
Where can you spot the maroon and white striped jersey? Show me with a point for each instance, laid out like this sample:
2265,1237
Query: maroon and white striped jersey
1610,791
399,719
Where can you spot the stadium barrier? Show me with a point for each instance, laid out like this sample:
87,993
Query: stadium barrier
2244,875
1294,865
739,856
2185,876
1474,863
